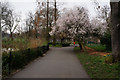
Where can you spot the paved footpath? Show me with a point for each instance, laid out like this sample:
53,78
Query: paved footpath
58,63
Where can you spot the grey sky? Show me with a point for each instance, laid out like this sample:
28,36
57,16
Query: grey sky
24,6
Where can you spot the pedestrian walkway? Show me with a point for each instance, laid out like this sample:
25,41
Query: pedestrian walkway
58,63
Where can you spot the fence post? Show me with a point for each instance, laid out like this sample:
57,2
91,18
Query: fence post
10,59
48,46
37,51
42,51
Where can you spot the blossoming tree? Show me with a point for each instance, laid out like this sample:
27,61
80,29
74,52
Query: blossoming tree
74,23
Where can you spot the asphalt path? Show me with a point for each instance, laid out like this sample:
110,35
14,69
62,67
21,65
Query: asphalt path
57,63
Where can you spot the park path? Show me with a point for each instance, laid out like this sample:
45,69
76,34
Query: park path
58,63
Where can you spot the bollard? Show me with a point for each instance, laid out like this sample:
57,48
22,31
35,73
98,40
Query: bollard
38,51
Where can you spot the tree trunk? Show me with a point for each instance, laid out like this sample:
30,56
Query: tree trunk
29,32
0,47
61,41
115,32
47,31
0,51
80,45
36,34
11,36
0,39
54,40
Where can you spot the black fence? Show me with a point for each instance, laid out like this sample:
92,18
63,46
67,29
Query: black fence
18,59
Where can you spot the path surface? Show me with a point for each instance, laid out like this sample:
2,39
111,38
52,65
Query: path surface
58,63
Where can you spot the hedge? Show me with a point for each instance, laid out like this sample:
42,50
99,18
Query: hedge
63,44
106,40
18,59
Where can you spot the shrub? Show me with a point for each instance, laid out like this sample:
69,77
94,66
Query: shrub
106,40
60,45
65,44
109,59
19,59
97,47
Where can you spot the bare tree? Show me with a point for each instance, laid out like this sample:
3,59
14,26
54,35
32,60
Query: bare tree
4,12
54,40
103,14
98,28
19,30
44,18
10,20
30,23
115,26
41,18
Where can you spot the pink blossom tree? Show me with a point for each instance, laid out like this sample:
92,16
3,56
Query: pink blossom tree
75,24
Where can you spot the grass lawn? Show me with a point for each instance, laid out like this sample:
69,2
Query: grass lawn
76,48
97,47
96,67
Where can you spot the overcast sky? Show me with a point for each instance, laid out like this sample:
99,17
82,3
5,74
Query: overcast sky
24,6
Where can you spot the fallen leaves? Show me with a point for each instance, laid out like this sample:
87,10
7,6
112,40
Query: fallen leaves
92,52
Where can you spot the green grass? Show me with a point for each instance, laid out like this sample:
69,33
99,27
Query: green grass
76,48
96,68
97,47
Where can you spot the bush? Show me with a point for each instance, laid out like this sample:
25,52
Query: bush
60,45
106,40
19,59
109,59
65,44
